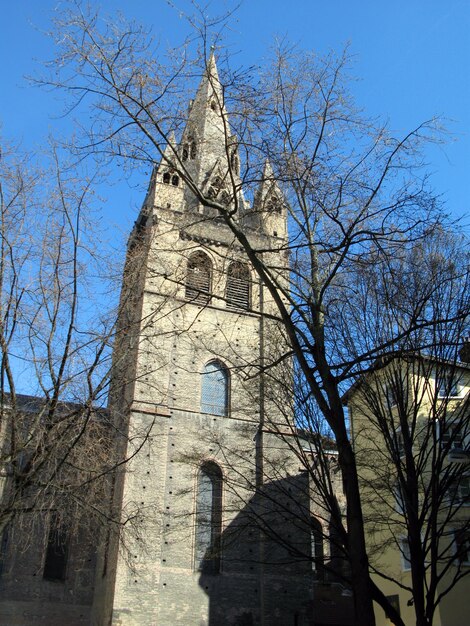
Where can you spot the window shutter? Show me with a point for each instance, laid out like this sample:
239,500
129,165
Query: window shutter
198,278
238,286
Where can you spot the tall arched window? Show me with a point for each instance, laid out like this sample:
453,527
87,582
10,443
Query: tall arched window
238,286
198,278
215,389
318,555
208,519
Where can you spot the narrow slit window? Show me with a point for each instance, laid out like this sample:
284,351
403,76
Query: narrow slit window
214,389
198,278
316,535
55,562
238,286
208,519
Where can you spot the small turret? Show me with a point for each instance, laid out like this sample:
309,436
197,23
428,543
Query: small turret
269,212
168,185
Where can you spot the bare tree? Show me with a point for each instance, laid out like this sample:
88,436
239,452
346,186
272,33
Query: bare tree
54,347
410,416
357,198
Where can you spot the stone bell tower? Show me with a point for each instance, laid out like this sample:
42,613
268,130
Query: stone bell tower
190,413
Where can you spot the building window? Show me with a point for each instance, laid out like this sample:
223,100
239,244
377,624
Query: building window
193,150
318,555
447,386
215,389
459,491
405,554
4,548
390,396
451,436
55,562
400,443
398,497
198,278
185,154
238,286
215,187
175,181
273,203
208,519
395,602
167,178
462,545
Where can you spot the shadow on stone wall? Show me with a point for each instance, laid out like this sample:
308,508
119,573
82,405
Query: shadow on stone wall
266,575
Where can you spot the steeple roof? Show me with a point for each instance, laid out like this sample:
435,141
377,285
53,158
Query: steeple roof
207,130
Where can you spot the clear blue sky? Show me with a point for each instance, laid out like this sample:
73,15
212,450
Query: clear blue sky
412,59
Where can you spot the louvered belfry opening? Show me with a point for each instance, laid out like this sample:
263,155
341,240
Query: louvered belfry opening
238,286
198,278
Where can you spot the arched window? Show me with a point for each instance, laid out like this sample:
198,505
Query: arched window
318,555
185,155
166,178
273,203
238,286
208,519
175,181
55,562
198,278
215,187
193,151
214,389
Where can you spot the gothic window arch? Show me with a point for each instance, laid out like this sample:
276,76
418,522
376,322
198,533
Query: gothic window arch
238,286
170,178
189,150
208,518
318,554
273,203
55,561
199,278
215,187
215,389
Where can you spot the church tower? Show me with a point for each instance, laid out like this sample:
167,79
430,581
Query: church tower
189,411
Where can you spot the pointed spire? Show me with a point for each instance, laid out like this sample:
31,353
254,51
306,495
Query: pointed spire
207,133
168,156
269,207
268,191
